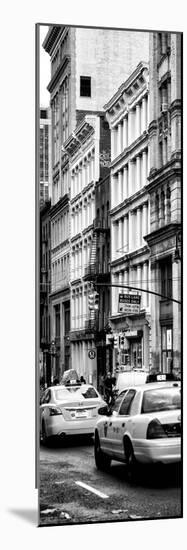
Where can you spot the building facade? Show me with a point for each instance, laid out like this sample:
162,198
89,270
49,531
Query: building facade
128,116
164,188
45,155
86,68
45,289
87,149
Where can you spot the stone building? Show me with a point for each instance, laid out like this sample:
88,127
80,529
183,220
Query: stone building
45,289
128,115
45,155
164,188
86,68
86,148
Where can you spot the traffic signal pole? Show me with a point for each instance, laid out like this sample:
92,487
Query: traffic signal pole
130,287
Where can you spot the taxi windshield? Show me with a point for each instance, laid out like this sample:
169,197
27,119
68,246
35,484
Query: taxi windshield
161,399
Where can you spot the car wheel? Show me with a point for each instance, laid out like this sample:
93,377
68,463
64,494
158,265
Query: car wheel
102,461
44,435
130,460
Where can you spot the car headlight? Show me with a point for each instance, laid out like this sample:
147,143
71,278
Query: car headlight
155,430
54,411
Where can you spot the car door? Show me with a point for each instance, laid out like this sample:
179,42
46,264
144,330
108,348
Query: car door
107,432
119,423
44,406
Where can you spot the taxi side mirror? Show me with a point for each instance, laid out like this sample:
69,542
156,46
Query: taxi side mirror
103,410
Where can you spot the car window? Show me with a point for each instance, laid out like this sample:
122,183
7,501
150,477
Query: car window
118,401
46,397
161,399
88,392
61,394
126,404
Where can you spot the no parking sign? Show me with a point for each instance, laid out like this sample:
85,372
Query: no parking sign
91,354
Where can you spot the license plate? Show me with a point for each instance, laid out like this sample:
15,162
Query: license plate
81,414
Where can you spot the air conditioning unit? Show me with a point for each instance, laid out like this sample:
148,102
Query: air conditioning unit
164,107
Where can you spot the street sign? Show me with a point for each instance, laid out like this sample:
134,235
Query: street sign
129,303
91,354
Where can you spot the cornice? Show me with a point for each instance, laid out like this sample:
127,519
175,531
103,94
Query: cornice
58,73
60,246
51,37
63,201
167,172
76,198
128,151
129,201
75,238
163,233
60,292
87,229
130,256
125,87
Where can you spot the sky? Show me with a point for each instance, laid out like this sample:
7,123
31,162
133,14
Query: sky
44,69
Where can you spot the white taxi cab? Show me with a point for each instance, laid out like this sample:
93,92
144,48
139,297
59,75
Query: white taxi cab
144,425
69,410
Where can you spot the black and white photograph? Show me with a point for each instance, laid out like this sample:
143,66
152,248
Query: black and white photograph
109,376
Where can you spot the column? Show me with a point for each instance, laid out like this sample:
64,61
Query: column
138,228
125,235
112,196
121,136
164,149
113,297
144,168
93,207
130,127
138,121
139,279
120,185
119,248
138,173
116,241
144,284
126,278
112,134
112,241
120,280
130,230
144,221
125,140
118,139
130,182
144,114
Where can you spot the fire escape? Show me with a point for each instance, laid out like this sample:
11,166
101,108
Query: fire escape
98,268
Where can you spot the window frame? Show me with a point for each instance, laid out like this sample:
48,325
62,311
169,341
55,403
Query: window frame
130,391
85,84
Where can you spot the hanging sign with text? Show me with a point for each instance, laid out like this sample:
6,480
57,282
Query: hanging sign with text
129,303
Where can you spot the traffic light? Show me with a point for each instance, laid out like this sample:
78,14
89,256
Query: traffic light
116,341
96,300
122,341
93,301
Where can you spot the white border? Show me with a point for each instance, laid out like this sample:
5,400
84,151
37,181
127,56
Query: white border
17,261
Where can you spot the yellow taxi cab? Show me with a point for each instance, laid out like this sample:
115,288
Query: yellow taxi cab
143,426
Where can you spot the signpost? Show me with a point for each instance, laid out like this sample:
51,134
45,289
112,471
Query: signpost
129,303
91,354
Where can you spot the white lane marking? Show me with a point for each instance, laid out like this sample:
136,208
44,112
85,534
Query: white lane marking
91,489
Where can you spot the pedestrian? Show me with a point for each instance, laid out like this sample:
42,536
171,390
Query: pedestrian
108,386
55,381
82,380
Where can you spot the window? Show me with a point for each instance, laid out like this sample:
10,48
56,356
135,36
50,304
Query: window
165,399
85,86
125,407
166,277
118,401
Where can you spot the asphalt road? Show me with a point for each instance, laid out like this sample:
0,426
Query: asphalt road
64,500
